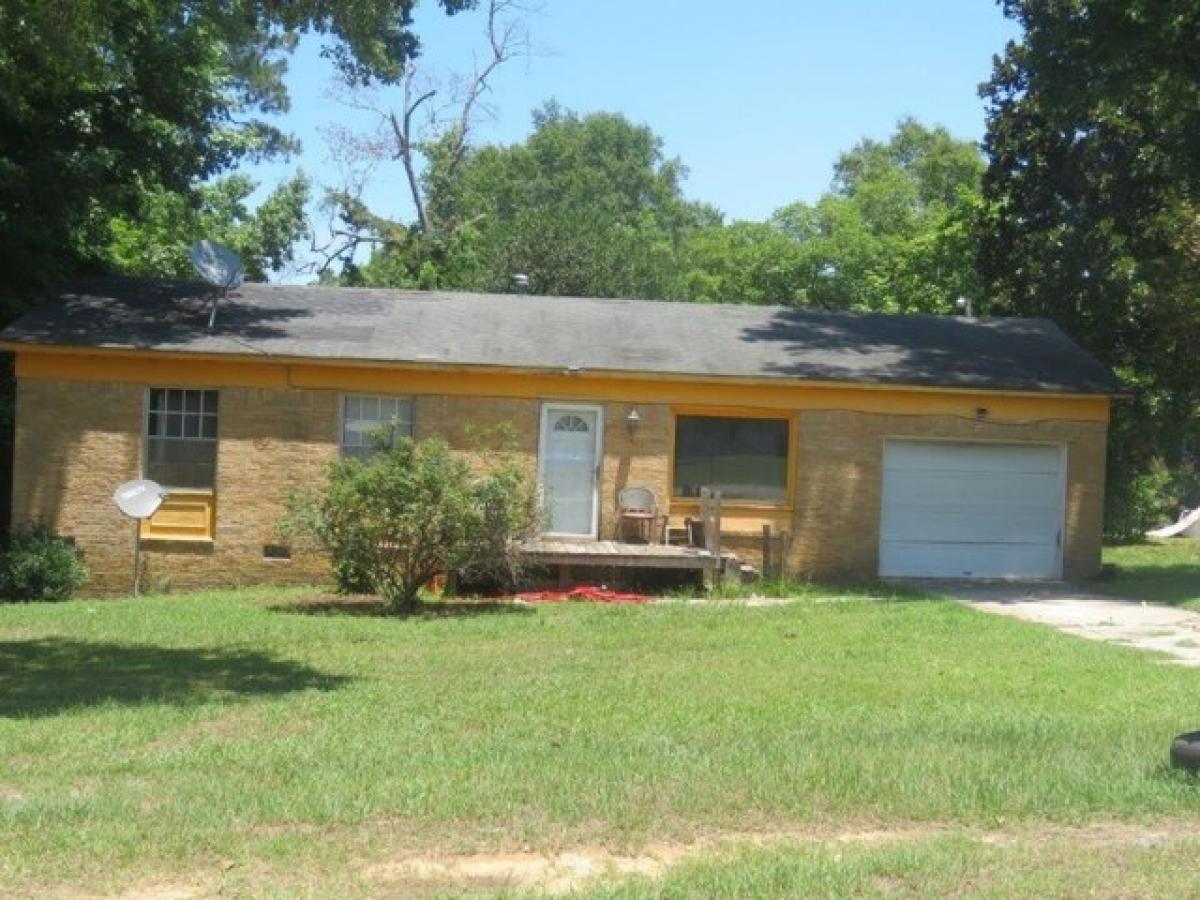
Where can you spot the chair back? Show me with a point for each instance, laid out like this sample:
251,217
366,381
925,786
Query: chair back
637,499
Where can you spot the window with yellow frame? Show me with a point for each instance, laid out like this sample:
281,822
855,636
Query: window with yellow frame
744,457
180,446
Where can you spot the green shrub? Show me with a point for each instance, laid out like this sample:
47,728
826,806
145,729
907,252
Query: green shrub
350,577
416,510
1137,502
38,565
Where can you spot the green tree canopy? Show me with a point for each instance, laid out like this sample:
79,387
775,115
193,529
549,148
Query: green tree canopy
1093,207
104,101
892,234
156,240
587,205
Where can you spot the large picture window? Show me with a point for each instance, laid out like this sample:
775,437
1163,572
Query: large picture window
745,459
367,420
181,437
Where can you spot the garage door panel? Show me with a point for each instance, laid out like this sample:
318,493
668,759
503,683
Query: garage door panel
961,509
1010,490
966,456
981,526
921,560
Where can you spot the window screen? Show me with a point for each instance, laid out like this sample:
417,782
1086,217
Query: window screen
745,459
370,422
181,437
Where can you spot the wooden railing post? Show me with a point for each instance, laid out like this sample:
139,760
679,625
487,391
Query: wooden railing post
768,553
710,515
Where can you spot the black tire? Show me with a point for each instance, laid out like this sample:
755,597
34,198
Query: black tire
1185,752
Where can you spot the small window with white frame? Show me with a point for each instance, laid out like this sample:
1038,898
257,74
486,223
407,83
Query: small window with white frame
181,437
370,422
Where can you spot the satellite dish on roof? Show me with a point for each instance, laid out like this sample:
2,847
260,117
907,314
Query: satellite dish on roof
217,264
220,267
139,499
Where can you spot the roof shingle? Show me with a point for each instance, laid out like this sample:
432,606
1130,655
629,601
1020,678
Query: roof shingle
560,333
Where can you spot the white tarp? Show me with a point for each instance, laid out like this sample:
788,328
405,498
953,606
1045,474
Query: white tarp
1188,526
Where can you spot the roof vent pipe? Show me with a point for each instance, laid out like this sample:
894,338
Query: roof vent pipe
521,283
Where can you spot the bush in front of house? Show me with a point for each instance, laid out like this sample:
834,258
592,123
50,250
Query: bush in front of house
37,564
416,510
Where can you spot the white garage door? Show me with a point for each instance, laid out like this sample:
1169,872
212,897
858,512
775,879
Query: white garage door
971,510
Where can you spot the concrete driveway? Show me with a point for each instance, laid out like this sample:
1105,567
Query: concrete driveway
1175,632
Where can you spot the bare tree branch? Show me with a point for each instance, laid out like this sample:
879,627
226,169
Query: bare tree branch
423,116
403,134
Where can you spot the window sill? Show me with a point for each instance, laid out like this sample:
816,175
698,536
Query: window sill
175,539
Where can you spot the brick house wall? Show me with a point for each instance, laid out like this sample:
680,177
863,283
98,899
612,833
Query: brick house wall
77,440
839,482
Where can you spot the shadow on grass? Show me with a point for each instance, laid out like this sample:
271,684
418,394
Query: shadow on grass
373,607
47,676
1172,585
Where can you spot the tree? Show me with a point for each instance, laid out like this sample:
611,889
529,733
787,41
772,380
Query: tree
156,240
103,102
414,510
425,124
1092,213
893,233
587,205
746,262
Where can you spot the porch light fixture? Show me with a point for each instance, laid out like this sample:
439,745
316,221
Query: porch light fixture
633,419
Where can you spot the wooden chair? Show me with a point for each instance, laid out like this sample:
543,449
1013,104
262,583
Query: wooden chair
639,506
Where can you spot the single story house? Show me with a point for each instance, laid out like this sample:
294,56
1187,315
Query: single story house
885,445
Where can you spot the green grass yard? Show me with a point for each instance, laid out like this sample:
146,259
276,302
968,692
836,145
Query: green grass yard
253,743
1157,572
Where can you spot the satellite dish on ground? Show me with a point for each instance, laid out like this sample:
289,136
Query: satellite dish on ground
217,264
220,267
139,499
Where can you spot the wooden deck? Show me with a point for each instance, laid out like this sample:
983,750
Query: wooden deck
551,552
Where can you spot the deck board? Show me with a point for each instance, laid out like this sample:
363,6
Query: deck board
554,552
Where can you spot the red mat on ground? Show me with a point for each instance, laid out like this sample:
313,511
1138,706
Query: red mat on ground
583,594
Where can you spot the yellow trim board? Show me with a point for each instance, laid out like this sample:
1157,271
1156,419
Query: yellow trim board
152,367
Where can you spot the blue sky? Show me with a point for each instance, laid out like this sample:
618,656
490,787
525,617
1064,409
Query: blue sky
756,99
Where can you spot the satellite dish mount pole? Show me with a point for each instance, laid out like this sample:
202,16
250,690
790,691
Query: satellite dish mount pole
137,557
212,315
139,499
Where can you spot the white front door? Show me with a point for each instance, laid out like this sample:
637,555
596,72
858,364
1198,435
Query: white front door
568,464
972,510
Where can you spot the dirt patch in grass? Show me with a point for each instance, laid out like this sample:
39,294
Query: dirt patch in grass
579,868
235,724
568,870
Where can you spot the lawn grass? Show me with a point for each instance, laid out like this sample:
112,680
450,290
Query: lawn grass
951,865
1165,571
259,740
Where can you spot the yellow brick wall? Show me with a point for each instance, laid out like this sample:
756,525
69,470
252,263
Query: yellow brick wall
76,441
270,444
633,458
74,444
839,479
480,427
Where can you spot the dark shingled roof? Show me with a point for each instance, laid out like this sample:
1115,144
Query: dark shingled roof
559,333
